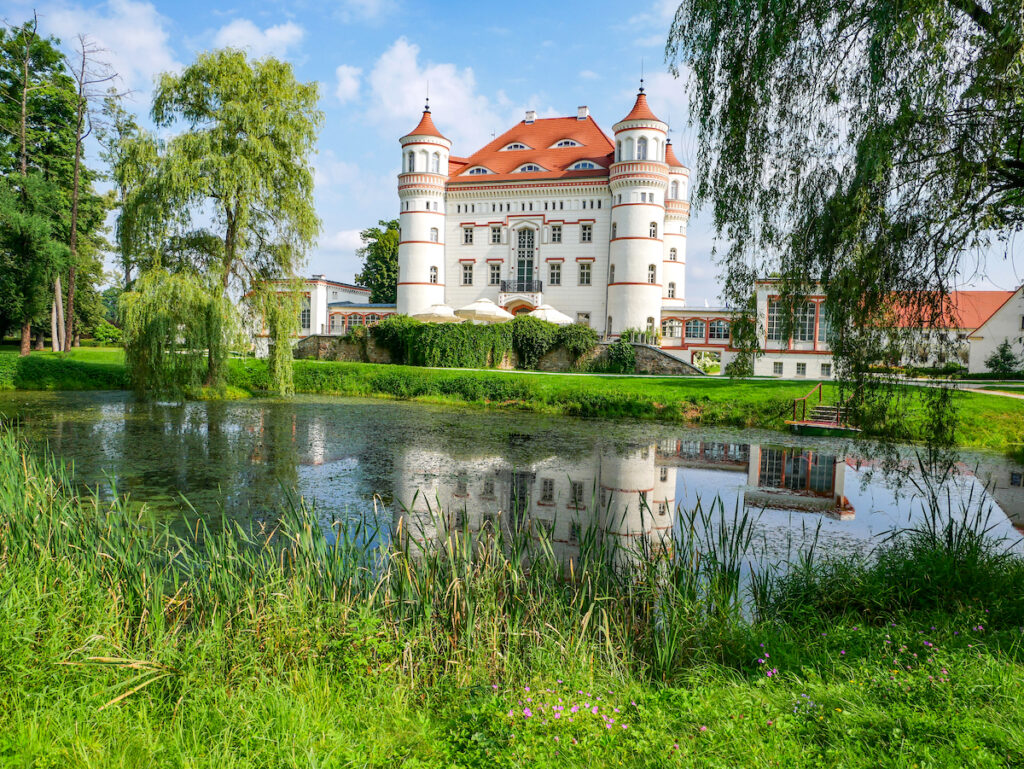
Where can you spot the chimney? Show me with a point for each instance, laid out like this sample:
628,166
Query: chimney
318,277
531,115
582,113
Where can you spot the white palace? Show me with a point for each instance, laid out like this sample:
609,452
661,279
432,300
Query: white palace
555,212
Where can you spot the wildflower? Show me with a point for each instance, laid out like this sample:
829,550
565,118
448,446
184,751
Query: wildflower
556,738
511,714
594,710
558,715
842,652
574,741
622,725
526,688
494,686
527,712
574,709
703,728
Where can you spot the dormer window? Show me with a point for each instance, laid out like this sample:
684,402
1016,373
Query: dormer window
583,165
567,143
478,170
528,168
514,146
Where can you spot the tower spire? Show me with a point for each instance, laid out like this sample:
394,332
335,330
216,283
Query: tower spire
641,74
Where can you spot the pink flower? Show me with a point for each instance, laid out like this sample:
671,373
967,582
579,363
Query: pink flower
703,728
527,712
594,710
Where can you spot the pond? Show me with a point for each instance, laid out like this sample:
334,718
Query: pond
446,467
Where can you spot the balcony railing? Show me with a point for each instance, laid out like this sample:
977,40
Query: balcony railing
521,286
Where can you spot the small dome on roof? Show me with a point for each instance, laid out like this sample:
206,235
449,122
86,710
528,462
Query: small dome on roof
640,109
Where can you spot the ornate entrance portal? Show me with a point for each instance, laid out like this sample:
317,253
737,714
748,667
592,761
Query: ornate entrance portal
524,260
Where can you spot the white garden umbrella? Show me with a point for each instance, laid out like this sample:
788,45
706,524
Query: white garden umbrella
551,315
484,311
438,313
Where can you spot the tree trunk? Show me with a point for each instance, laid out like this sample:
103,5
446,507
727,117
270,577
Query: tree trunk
40,338
75,180
26,338
77,341
58,300
54,331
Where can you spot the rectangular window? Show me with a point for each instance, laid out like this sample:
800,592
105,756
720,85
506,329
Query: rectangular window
337,324
577,494
467,275
774,324
804,327
489,487
719,329
1016,479
547,490
586,233
583,318
695,329
826,370
823,324
574,533
585,274
554,274
495,235
672,329
662,508
495,270
305,315
467,236
556,233
801,369
777,368
663,474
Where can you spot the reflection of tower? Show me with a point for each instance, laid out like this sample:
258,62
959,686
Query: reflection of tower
664,498
628,508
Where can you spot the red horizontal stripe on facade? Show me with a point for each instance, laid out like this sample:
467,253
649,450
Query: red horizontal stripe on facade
417,283
428,242
637,283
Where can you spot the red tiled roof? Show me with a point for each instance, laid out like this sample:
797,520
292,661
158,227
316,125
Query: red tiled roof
640,110
540,135
670,157
964,309
426,127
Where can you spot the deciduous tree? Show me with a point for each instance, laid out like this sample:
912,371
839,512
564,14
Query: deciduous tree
379,255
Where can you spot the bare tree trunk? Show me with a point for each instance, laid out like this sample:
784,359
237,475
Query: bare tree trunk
40,338
81,77
54,331
58,301
26,338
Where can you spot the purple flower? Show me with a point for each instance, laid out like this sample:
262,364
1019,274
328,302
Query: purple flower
594,710
527,712
703,728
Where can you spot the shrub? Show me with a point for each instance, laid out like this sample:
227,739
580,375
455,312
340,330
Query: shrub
531,339
621,357
1002,360
577,339
398,334
107,333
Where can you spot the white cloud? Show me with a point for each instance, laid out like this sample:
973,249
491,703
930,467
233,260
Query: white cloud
347,88
341,242
366,10
272,41
133,34
398,86
589,74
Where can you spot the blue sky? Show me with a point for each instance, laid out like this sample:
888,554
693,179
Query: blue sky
486,63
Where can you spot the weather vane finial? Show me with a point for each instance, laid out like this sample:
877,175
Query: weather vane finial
427,107
641,74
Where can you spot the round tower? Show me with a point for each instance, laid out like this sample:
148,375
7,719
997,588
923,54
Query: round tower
421,194
638,180
627,486
677,213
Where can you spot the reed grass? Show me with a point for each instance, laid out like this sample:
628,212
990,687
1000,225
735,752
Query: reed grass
292,643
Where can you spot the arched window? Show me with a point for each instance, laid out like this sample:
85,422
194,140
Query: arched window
718,329
641,148
611,274
529,168
433,274
674,194
583,165
433,234
650,323
628,149
653,229
435,163
671,290
673,255
372,319
412,161
615,229
618,151
652,274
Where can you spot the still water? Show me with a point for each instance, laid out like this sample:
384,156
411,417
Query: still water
357,459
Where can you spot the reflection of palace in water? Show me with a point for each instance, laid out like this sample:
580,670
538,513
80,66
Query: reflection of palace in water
628,493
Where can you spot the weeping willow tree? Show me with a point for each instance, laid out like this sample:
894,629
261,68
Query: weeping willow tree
867,146
227,202
173,323
276,306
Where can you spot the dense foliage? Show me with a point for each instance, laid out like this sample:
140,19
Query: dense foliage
247,131
379,255
469,345
1003,359
620,357
867,145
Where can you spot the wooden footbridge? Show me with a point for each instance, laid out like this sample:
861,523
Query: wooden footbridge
818,418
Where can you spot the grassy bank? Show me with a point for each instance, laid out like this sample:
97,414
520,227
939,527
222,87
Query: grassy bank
127,646
987,421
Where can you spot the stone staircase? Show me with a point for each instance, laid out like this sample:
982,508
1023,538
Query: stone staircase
830,414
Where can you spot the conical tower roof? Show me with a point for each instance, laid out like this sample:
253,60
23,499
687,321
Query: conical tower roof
670,156
426,127
640,109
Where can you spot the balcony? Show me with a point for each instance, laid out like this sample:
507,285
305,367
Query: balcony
522,286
